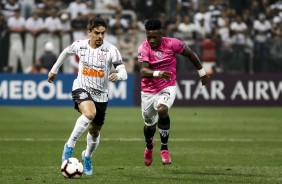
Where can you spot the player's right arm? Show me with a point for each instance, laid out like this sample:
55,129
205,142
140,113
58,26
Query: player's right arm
146,72
61,59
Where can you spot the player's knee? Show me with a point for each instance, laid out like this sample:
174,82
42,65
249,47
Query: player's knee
162,111
90,115
150,128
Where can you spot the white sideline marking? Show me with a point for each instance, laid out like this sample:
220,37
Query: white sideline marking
139,139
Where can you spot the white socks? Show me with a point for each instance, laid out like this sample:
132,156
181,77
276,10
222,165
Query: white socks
81,125
92,144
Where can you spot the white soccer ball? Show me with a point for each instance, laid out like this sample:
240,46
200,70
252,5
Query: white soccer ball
72,168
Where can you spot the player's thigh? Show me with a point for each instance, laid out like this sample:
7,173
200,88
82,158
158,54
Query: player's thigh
165,97
101,108
87,108
149,113
83,102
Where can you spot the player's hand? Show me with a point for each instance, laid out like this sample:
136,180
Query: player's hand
51,77
113,77
205,79
165,75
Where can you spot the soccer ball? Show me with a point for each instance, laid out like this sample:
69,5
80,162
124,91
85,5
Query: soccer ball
72,168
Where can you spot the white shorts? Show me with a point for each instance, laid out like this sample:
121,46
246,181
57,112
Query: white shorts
150,102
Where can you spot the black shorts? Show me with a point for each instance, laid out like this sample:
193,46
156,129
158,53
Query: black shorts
80,95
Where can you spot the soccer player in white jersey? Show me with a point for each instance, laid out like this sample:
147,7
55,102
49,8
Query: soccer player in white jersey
157,63
90,88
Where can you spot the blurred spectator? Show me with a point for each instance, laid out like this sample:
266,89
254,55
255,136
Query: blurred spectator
10,7
201,14
113,5
3,26
153,8
261,33
126,44
223,19
202,28
224,44
249,53
108,5
111,37
214,11
48,58
117,22
239,5
276,47
185,7
36,68
3,41
78,26
187,31
27,7
34,24
16,26
77,6
65,23
208,54
53,23
16,23
172,25
126,4
46,5
254,9
238,29
248,18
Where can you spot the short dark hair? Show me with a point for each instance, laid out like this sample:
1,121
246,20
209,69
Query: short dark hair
153,24
96,22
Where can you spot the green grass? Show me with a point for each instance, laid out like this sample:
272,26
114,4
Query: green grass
207,145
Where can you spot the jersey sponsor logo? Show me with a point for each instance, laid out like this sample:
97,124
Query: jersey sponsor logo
83,95
139,55
104,50
94,92
83,47
92,72
165,93
159,54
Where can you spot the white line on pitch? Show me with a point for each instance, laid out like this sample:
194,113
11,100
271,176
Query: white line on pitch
139,139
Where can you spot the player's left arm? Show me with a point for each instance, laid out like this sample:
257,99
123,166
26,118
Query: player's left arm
197,63
120,75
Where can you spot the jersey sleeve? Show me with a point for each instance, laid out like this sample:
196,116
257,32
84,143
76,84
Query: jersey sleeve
72,49
116,56
143,54
177,45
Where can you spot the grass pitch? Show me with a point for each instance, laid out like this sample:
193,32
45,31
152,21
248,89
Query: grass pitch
207,145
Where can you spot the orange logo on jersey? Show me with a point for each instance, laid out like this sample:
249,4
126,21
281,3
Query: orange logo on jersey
92,72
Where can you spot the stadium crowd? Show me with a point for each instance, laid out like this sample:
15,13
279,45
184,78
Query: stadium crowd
242,36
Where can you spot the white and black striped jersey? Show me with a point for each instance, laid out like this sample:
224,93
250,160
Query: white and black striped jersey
94,67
